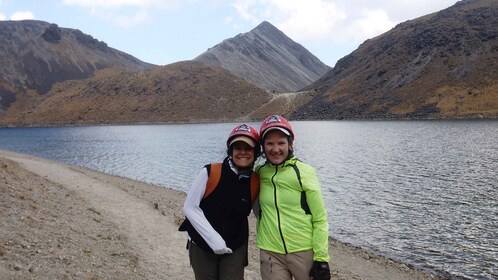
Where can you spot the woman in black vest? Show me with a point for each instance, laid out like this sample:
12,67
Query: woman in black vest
217,207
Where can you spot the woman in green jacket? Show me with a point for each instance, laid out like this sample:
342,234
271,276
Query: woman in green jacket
292,228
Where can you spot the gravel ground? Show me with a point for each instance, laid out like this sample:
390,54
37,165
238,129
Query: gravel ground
65,222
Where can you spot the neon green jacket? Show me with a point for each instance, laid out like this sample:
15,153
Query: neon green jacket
284,225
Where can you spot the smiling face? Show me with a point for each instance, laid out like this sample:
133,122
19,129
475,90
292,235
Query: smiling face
242,154
276,146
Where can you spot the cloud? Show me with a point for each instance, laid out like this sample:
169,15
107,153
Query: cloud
301,20
243,9
317,19
112,4
2,16
21,15
402,10
138,18
370,24
335,21
124,13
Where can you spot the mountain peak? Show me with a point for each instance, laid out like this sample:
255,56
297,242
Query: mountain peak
269,30
265,25
282,64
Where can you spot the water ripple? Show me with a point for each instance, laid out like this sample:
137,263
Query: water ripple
424,193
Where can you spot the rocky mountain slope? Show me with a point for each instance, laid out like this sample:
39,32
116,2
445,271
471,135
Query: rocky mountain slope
266,57
186,91
35,54
442,65
60,76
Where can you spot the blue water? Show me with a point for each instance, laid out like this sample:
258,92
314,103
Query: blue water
421,192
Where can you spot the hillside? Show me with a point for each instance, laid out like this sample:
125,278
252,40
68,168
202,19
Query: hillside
35,54
266,57
186,91
442,65
61,76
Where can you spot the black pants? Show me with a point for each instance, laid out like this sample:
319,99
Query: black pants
209,266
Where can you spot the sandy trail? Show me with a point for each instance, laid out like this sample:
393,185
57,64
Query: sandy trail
149,232
148,216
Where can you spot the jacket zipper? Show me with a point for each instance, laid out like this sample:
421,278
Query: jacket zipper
276,208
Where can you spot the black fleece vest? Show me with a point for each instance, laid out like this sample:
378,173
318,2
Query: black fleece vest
226,209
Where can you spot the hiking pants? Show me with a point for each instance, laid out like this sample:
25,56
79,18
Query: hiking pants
283,267
209,266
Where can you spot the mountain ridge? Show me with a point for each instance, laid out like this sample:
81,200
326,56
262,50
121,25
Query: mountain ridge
441,65
266,57
37,54
185,92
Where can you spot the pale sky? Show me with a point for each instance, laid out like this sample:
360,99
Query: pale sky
167,31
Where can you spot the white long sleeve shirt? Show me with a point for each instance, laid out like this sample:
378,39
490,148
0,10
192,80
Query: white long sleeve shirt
196,216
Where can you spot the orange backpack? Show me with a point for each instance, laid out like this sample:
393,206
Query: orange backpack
214,179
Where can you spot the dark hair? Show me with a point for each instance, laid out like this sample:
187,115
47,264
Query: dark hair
257,151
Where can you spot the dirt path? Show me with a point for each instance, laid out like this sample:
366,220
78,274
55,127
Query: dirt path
150,233
285,103
64,222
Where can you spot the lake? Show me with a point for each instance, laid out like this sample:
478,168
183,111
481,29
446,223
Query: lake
421,192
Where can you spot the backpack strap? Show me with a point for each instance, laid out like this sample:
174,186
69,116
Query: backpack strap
304,202
254,186
214,175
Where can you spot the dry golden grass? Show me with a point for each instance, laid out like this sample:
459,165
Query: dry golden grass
468,102
180,92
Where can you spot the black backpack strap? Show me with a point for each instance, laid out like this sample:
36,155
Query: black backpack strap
304,202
